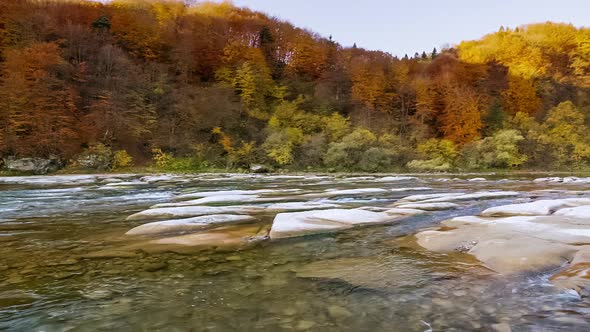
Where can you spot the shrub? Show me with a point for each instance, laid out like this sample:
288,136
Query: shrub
161,158
438,155
97,156
374,159
122,159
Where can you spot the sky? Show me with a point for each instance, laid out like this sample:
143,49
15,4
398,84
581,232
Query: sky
404,27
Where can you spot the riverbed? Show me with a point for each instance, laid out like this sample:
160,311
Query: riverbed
67,263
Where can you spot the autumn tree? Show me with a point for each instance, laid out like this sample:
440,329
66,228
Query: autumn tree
38,107
461,118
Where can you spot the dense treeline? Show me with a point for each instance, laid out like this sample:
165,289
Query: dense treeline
212,85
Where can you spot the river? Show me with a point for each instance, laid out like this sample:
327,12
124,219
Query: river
66,263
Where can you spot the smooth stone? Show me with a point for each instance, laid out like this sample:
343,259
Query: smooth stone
520,243
186,225
303,325
65,275
192,211
210,200
537,208
154,267
294,206
320,221
501,327
474,196
338,312
582,212
428,206
222,237
416,198
99,294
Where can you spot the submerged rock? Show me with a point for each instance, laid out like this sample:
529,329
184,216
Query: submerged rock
371,272
474,196
186,225
154,267
348,192
211,199
294,206
417,198
225,193
229,236
320,221
428,206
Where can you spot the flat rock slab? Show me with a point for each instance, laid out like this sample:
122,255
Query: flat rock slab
211,200
417,198
537,208
320,221
428,206
348,192
186,225
474,196
192,211
295,206
536,237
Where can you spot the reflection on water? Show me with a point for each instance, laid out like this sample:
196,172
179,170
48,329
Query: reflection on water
64,266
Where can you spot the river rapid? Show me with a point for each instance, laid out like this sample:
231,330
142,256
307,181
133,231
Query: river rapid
67,264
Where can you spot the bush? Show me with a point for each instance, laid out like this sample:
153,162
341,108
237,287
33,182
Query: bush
374,159
348,152
312,151
430,165
501,150
161,158
97,156
438,155
121,159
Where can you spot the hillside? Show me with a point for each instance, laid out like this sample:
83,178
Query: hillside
213,85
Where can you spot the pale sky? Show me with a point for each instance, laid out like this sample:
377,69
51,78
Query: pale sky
410,26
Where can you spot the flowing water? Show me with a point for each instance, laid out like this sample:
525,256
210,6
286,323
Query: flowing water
64,266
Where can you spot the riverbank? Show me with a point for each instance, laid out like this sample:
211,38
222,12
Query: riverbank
323,171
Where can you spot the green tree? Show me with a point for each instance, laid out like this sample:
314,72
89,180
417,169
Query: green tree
566,134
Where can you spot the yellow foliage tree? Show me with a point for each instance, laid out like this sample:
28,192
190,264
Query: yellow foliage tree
461,118
520,97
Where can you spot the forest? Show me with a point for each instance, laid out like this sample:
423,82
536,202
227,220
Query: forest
205,85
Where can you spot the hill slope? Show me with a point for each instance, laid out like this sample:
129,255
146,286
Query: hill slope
227,86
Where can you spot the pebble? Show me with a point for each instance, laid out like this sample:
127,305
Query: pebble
98,294
305,325
154,267
338,312
501,327
290,311
65,275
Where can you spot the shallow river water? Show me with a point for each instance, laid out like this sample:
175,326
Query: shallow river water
65,262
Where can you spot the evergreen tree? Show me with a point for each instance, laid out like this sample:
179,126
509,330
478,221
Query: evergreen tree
494,118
